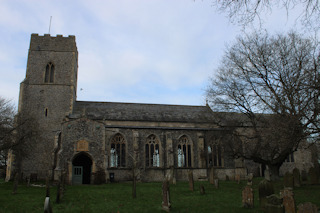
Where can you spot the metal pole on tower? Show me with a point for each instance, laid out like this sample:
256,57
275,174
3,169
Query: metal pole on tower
50,24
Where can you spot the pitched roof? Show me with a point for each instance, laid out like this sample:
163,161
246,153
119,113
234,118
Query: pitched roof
143,112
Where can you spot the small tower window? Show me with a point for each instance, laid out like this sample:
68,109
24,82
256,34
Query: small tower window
46,112
49,74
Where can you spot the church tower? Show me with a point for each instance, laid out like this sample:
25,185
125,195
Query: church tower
48,94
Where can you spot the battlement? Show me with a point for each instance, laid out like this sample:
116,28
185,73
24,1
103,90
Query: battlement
51,43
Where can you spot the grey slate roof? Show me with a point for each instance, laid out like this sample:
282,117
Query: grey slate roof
143,112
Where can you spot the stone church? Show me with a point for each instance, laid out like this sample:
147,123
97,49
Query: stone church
84,139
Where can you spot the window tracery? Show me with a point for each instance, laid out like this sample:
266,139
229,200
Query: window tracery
118,151
152,152
49,73
215,155
184,152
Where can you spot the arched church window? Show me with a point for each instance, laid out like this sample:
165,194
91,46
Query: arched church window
49,74
184,153
152,152
118,151
290,158
215,155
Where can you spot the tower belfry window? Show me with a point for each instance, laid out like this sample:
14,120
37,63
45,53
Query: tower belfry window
49,74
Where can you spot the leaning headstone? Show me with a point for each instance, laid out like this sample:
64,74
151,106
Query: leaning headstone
265,189
191,183
47,206
216,183
227,178
307,208
313,176
247,197
166,196
202,191
273,204
211,175
296,177
304,177
288,200
288,180
250,178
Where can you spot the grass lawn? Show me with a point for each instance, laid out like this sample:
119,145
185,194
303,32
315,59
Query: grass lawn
118,197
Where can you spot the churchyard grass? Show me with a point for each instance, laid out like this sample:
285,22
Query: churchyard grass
118,197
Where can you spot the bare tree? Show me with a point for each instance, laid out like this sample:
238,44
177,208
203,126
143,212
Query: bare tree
246,11
7,112
274,82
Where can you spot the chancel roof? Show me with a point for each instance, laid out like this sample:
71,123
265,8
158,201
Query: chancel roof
143,112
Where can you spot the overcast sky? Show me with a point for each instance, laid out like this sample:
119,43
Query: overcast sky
141,51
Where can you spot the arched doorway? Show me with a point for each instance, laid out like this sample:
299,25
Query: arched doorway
81,169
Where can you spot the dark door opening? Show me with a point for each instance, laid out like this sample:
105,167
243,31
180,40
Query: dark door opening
81,160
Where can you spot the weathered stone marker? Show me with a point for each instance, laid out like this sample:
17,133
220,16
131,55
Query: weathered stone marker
216,183
304,177
202,191
274,204
288,180
313,176
191,182
307,208
166,196
296,177
288,200
247,197
47,206
237,178
267,174
250,178
265,189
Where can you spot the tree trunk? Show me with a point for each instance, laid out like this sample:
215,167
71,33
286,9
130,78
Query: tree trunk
274,171
15,183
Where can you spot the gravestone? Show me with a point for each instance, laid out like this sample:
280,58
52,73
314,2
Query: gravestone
47,205
267,174
296,177
216,183
307,208
166,196
247,197
313,176
237,178
227,178
202,191
174,181
288,200
273,204
304,177
250,178
28,181
191,183
288,180
265,189
211,175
